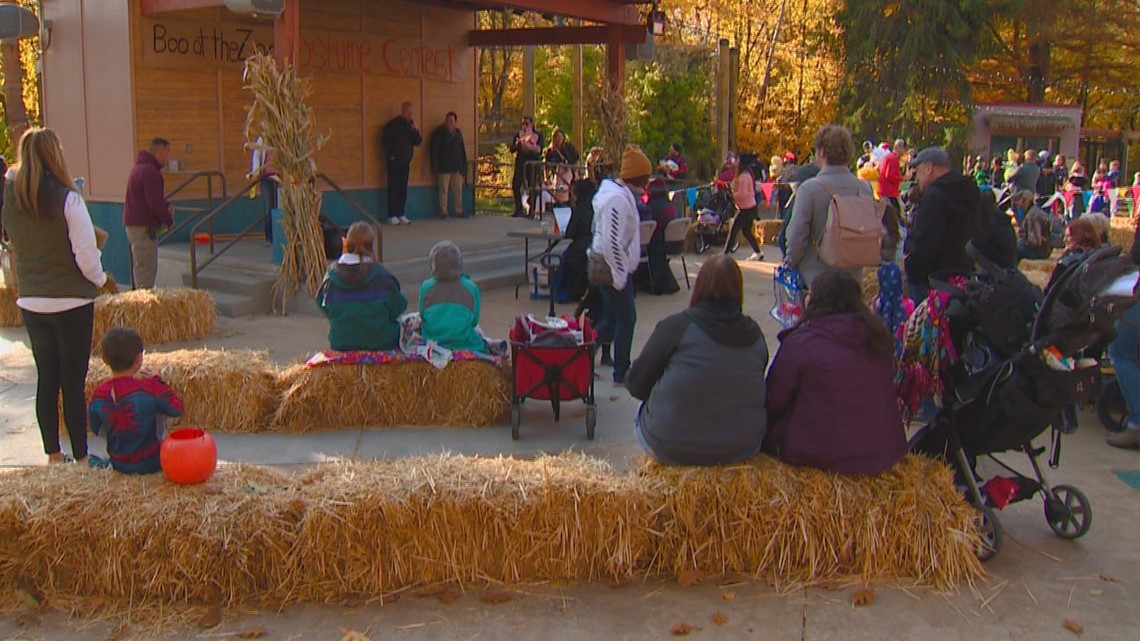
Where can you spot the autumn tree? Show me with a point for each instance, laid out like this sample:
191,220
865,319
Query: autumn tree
20,98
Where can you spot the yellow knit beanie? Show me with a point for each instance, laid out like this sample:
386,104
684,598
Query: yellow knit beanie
634,163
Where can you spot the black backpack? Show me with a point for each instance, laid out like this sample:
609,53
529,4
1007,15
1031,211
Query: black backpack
1077,313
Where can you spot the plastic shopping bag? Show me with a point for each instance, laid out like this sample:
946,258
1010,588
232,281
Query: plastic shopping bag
789,291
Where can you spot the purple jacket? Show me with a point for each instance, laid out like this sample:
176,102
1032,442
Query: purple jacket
831,405
146,204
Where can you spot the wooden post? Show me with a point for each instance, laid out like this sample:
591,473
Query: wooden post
528,82
287,33
722,72
733,93
578,100
14,92
615,60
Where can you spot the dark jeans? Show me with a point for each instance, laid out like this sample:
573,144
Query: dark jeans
61,346
524,177
1025,251
397,187
619,315
744,223
268,203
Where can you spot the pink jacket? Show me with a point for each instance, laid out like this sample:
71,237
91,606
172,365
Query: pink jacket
744,190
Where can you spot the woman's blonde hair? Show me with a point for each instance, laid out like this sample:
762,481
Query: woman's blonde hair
360,240
39,155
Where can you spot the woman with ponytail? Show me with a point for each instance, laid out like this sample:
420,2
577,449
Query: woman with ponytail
360,297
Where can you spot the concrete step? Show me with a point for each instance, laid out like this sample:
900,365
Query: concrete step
237,305
233,281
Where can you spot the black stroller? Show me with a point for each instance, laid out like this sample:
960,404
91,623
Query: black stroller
1002,393
714,219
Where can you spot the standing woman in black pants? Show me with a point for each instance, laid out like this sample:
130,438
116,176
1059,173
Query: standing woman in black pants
59,269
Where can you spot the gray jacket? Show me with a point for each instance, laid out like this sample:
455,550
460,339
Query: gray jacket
701,377
809,218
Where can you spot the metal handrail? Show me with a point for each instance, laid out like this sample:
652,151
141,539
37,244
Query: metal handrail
209,220
363,212
209,175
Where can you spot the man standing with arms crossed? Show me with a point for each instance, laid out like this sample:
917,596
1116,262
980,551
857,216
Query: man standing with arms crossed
146,211
399,139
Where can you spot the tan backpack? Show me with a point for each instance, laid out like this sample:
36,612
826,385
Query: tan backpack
854,232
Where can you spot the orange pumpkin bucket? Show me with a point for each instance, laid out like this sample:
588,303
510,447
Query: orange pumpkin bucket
188,456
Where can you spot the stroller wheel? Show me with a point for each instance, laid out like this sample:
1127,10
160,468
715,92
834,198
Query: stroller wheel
516,419
700,242
991,533
1111,408
1068,512
591,421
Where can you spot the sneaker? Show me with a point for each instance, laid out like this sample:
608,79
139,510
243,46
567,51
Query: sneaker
393,220
98,462
404,220
756,256
1129,439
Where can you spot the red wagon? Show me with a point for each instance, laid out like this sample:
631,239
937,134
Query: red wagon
552,364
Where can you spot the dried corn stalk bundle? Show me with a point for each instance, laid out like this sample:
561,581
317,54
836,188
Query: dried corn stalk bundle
283,119
158,315
9,313
797,525
607,106
463,394
224,391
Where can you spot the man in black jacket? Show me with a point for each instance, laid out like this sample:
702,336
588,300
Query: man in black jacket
947,217
449,162
399,139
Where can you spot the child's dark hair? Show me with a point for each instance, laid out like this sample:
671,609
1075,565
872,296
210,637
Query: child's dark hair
121,346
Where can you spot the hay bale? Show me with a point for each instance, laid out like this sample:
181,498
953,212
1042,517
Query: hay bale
1046,265
798,525
224,391
870,284
158,315
350,531
1039,278
9,313
463,394
768,230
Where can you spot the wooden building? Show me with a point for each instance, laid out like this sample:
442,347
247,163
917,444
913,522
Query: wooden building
119,72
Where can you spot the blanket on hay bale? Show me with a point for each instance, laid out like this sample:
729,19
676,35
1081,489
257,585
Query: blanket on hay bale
465,393
346,531
226,391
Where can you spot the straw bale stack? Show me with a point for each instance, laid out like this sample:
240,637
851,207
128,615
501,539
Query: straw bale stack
1039,278
346,531
768,230
1122,231
224,391
870,284
9,313
463,394
159,315
1046,265
801,525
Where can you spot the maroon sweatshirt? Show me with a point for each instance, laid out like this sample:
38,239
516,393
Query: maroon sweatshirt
831,404
146,204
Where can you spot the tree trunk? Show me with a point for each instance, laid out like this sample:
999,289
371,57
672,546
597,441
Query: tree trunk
14,90
768,60
1038,75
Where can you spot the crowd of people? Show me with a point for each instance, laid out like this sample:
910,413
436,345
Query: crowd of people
757,407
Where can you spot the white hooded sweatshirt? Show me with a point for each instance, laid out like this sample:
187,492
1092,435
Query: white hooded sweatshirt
616,230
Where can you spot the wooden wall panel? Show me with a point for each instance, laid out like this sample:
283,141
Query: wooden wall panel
338,111
235,102
343,15
382,99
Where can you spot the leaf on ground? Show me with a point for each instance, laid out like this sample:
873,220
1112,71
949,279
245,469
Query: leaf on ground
614,399
1096,592
689,578
352,635
495,596
28,620
1073,626
863,596
447,595
728,595
719,618
683,629
211,619
1109,578
251,633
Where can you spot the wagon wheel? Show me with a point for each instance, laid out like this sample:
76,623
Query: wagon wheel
591,421
989,527
1068,512
516,419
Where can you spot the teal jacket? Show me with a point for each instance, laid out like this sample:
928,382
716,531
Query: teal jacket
450,313
362,303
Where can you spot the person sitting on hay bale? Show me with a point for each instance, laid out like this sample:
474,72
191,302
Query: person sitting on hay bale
840,351
712,338
1101,223
450,302
361,298
127,406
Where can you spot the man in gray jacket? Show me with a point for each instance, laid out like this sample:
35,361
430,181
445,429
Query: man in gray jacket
833,149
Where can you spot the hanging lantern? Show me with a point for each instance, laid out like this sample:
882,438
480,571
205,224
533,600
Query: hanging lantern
188,456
